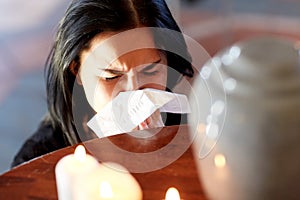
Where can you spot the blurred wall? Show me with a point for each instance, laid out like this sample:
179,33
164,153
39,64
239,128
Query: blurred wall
26,34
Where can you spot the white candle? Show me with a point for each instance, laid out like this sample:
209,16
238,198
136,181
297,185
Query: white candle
110,181
105,190
70,168
172,194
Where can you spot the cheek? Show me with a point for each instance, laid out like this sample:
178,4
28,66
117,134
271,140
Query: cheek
102,95
97,94
160,80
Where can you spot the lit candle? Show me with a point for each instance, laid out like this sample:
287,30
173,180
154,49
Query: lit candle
109,181
70,168
172,194
105,190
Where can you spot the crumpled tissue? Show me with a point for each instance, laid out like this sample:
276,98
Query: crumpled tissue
129,109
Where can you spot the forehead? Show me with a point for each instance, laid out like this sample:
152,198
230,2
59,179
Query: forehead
108,47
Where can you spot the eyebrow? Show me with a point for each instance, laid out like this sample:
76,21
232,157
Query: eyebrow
113,71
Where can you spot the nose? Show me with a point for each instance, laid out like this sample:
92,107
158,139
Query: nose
132,80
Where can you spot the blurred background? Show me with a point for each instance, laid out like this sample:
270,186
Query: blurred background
27,32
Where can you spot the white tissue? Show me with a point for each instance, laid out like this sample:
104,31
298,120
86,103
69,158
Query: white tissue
127,110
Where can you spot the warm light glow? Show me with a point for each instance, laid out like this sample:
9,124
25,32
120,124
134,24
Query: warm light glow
297,45
220,160
201,128
80,153
105,190
172,194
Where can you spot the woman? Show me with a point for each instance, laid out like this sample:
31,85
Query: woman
86,24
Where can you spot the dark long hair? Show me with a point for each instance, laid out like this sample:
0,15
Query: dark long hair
83,20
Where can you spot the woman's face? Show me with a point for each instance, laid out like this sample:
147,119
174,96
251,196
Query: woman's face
103,77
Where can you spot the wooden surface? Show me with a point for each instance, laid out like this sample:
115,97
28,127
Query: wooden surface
167,149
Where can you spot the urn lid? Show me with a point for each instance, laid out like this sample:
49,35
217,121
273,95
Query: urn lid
256,67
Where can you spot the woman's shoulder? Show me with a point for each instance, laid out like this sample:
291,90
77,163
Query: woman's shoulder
44,140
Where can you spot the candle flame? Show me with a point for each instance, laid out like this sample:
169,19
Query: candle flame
220,160
80,153
105,190
172,194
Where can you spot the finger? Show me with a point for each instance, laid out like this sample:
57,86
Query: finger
143,125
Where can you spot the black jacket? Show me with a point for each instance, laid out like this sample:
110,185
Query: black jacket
46,139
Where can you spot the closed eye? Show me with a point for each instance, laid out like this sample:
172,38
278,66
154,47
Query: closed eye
110,78
110,75
151,69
